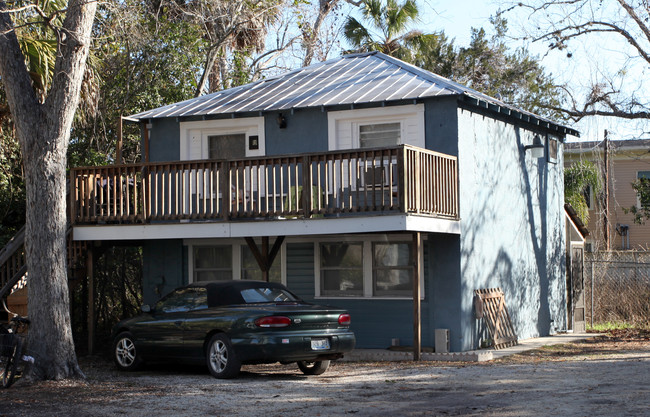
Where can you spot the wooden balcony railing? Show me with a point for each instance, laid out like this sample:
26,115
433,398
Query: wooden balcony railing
402,179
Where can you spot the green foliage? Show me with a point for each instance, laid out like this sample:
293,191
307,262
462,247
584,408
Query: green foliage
12,186
149,58
641,213
387,29
516,77
608,326
578,179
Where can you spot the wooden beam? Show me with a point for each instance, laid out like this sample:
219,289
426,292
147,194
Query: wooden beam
265,258
417,263
265,251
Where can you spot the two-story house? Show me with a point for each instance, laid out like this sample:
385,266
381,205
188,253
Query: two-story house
362,182
627,160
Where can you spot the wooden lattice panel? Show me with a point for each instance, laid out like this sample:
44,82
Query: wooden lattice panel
495,313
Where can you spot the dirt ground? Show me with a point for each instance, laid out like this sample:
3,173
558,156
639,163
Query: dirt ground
604,376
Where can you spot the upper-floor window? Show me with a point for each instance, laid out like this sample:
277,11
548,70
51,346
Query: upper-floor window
376,127
378,135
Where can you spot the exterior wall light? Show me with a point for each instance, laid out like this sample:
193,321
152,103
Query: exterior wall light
537,147
282,122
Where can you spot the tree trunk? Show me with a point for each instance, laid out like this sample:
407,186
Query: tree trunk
43,130
50,334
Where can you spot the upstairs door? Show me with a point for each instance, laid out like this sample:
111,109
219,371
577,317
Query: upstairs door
227,146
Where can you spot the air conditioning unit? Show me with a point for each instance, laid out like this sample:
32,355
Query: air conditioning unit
441,342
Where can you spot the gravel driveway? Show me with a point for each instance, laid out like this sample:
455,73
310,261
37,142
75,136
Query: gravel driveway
603,377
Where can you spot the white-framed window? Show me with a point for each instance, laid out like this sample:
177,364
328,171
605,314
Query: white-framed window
376,127
204,139
226,259
392,269
212,263
341,268
365,267
643,176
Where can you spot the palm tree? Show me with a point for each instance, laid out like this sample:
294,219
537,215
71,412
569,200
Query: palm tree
388,30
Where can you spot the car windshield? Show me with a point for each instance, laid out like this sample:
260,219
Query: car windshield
267,295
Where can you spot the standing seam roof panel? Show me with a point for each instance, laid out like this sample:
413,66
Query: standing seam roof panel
303,87
343,96
316,97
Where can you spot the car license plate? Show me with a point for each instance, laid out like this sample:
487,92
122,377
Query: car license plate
320,344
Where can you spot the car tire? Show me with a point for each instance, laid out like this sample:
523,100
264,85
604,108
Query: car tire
125,354
221,358
313,368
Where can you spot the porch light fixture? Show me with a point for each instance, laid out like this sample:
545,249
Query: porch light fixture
536,149
282,122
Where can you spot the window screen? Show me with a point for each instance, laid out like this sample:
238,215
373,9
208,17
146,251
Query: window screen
213,263
392,269
341,267
379,135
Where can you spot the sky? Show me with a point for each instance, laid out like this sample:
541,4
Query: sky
457,18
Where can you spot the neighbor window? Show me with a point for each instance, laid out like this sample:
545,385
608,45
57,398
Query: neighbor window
213,263
644,180
341,269
392,269
379,135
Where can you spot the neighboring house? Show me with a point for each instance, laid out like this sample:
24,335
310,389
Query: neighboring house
628,161
362,182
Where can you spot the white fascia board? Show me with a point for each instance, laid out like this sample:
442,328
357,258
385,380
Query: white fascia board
288,227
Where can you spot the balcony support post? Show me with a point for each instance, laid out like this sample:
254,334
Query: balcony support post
417,263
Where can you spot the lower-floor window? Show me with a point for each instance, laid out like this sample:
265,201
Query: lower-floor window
234,260
341,269
212,263
250,269
365,268
392,269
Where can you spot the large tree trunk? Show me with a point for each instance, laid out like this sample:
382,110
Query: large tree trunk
43,130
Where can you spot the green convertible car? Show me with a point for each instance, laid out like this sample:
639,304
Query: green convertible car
227,324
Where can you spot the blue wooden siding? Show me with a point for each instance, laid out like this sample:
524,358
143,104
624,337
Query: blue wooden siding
306,131
164,268
300,269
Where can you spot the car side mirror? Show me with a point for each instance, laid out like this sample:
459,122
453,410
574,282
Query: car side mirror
146,308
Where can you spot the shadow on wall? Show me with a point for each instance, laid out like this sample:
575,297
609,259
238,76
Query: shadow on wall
499,241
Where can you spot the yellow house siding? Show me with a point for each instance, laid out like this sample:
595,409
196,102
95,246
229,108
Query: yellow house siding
625,164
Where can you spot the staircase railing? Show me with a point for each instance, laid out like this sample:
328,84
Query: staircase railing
13,265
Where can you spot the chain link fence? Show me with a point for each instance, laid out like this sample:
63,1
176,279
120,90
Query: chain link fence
617,287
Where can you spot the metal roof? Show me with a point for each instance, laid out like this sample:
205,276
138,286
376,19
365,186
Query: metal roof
348,80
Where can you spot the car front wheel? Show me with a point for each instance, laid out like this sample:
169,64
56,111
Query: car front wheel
313,368
125,354
221,358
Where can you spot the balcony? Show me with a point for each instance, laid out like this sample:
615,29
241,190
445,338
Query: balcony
397,180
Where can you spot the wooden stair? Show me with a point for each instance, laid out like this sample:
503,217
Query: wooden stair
13,264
